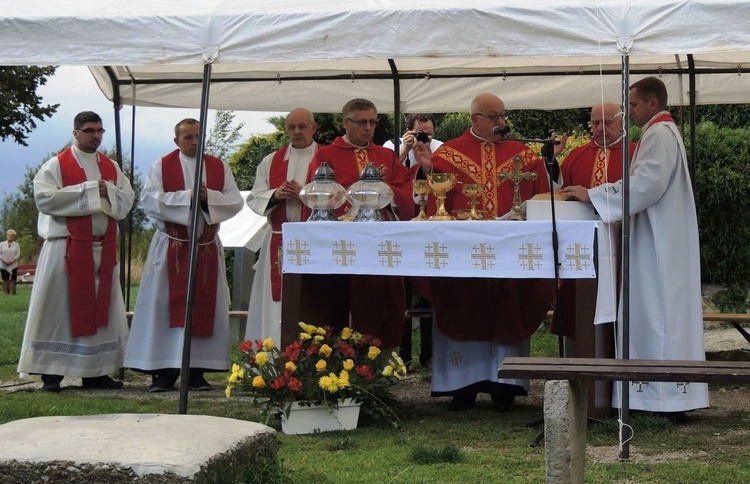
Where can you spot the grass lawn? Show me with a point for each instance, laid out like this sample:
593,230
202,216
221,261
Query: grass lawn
431,445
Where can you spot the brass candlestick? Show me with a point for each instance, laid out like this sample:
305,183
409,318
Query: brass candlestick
473,191
421,188
441,184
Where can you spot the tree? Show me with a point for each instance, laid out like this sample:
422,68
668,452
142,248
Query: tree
20,105
223,137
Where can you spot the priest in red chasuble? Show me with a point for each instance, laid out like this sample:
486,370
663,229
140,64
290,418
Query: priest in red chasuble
597,162
481,321
376,303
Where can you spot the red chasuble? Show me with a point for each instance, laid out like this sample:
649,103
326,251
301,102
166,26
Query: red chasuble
376,303
590,166
88,309
505,311
207,269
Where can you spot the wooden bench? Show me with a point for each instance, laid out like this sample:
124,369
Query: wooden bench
565,396
26,273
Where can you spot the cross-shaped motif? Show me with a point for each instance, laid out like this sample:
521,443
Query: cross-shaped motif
483,256
578,257
455,358
436,255
279,258
343,252
685,386
516,176
640,384
389,253
298,252
530,256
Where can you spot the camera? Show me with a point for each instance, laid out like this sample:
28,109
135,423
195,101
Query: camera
422,136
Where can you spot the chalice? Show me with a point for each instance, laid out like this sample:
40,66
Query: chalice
473,191
441,184
421,188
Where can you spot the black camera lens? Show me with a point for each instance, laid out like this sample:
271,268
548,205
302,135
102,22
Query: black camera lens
422,136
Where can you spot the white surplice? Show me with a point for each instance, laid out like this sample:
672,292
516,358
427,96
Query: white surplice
48,346
666,319
153,344
263,313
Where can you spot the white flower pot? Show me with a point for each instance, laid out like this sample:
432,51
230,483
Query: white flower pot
320,418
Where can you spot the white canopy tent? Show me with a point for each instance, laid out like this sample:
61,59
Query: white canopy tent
268,55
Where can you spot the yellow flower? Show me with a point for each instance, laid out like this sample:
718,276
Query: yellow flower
346,333
356,335
228,391
319,338
233,377
320,365
326,350
304,336
348,364
261,358
259,382
343,379
308,328
290,366
268,344
235,368
388,371
373,352
321,330
397,358
324,382
330,383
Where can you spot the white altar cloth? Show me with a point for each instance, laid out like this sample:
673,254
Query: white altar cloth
492,249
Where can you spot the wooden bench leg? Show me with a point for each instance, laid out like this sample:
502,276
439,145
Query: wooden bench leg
565,431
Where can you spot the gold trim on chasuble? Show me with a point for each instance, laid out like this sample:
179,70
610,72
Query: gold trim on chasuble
360,156
485,174
601,165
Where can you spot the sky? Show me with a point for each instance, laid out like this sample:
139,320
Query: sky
75,90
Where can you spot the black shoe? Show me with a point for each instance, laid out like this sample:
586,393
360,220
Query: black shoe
462,401
102,383
51,383
162,382
198,383
503,401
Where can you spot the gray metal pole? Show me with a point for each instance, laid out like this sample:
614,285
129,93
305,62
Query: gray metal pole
195,213
396,107
625,394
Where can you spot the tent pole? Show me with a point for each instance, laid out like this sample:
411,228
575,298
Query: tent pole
693,150
195,213
625,250
396,108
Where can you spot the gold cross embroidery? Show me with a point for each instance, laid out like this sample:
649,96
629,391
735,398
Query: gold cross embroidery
436,255
483,256
530,256
578,257
297,252
344,253
389,253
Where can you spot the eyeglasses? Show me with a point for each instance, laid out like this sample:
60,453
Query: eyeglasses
90,131
494,117
363,122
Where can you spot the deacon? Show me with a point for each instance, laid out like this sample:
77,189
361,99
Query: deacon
275,195
159,321
76,324
666,318
481,321
376,303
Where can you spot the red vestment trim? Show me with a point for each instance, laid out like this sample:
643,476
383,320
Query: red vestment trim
277,177
207,270
85,317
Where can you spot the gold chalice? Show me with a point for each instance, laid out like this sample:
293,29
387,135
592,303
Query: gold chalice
421,188
441,184
473,191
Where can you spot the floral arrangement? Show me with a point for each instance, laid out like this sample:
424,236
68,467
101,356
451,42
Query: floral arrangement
318,368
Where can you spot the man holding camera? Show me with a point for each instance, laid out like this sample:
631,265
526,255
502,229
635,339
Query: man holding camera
420,127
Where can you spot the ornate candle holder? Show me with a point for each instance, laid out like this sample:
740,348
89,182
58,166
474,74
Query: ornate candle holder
369,195
323,195
421,188
441,184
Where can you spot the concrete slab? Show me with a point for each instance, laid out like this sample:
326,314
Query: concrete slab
726,344
190,447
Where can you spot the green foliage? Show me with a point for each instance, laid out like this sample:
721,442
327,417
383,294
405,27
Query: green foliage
20,105
724,115
435,454
223,137
530,123
452,126
723,203
245,161
733,299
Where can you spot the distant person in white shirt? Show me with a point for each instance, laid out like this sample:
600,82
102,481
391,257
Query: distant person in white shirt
417,125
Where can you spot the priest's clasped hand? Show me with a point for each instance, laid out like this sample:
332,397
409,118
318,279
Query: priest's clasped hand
576,193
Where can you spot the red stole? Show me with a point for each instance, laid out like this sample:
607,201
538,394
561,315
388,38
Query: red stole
204,307
590,165
277,177
88,309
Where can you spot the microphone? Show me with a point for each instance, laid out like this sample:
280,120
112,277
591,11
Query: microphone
500,130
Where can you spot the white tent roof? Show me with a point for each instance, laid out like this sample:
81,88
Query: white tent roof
246,229
271,55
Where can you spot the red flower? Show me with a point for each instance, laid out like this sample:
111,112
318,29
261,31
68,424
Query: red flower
259,344
365,372
246,346
251,359
346,349
292,351
312,350
278,383
295,384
